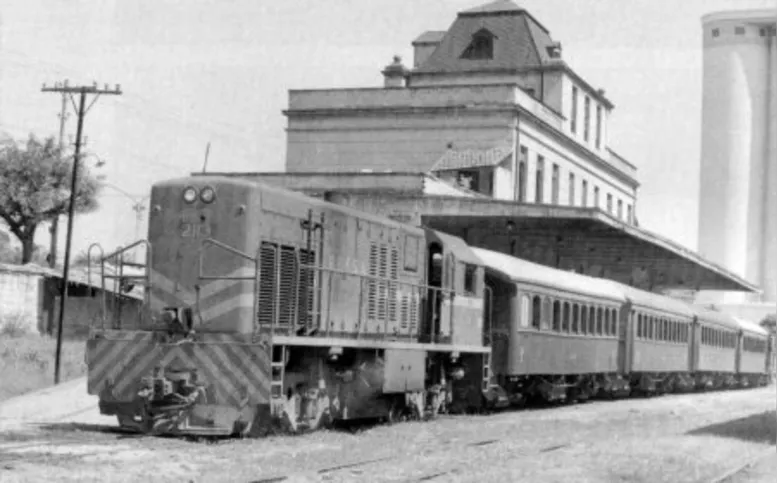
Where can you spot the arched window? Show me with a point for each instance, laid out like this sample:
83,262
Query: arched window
481,47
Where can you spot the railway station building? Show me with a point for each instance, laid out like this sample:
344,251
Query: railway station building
489,135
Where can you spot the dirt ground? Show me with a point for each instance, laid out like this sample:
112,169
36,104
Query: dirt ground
683,438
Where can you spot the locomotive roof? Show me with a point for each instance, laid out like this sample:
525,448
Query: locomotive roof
657,301
227,180
751,327
518,270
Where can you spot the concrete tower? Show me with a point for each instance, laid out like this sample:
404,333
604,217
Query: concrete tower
738,188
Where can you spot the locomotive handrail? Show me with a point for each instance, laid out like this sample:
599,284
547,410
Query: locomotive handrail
380,279
117,255
228,248
233,251
417,290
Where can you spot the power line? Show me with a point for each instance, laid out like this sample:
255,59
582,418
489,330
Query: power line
81,110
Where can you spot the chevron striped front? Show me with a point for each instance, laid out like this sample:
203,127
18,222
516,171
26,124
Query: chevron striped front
230,368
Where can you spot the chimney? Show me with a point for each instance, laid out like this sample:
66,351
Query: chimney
395,74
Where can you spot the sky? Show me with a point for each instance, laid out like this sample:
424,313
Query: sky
200,71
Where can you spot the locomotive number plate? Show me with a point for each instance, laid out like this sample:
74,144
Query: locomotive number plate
194,230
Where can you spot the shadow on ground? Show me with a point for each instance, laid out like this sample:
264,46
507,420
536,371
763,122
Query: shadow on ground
87,428
756,428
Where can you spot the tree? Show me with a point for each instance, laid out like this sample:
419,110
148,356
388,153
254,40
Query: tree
35,186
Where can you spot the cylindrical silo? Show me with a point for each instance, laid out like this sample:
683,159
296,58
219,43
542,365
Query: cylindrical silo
769,262
735,116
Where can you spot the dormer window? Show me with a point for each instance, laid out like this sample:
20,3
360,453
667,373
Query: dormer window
481,47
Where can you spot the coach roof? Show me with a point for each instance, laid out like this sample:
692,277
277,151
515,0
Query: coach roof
751,327
715,317
657,301
518,270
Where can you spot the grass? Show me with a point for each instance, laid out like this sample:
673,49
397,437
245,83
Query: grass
27,360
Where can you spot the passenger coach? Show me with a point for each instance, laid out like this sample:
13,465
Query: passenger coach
555,334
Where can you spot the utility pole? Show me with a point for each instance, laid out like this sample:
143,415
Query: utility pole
54,229
81,110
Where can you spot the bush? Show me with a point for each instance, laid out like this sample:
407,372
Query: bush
27,362
15,325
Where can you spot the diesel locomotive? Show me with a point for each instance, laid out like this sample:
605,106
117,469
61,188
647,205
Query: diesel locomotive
266,309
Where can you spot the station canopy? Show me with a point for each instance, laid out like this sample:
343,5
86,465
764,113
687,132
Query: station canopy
588,241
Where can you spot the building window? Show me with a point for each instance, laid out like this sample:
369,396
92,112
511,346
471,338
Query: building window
739,30
555,184
629,214
715,32
585,193
609,203
620,208
596,196
573,116
522,174
598,126
481,47
587,117
540,179
571,189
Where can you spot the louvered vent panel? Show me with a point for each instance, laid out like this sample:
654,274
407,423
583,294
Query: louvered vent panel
372,285
267,276
288,296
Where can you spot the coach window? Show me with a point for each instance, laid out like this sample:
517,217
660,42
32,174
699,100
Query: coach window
525,309
673,325
557,316
575,318
639,326
583,319
567,316
536,311
547,309
651,328
599,320
613,322
592,320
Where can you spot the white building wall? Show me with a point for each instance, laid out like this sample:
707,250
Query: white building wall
735,117
400,142
539,144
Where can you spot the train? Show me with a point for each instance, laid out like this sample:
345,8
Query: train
267,310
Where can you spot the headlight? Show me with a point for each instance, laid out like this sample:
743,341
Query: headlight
207,195
190,195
